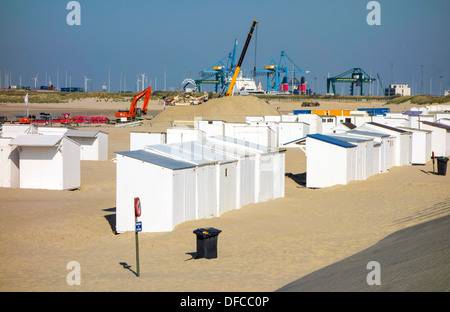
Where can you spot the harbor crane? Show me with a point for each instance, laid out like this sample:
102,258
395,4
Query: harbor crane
357,78
275,69
219,72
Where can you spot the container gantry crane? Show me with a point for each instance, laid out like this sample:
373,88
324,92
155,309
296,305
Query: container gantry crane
274,70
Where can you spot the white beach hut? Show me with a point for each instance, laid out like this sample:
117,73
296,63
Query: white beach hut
246,167
313,120
165,186
48,162
329,161
269,170
93,143
206,198
420,145
402,143
211,165
211,127
182,134
289,118
141,139
343,127
364,162
13,131
385,149
289,131
440,137
9,164
259,134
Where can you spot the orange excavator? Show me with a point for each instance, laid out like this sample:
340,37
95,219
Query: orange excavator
134,112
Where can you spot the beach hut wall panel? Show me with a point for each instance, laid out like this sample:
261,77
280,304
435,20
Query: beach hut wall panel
139,140
246,167
314,121
48,162
289,118
165,187
184,134
254,118
258,134
289,131
328,123
211,127
279,161
274,118
440,137
420,145
228,187
227,180
13,131
329,161
364,166
93,144
9,164
206,196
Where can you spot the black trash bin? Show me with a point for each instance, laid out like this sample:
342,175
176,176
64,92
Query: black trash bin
207,242
442,165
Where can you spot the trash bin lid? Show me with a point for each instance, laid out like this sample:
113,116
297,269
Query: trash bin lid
207,232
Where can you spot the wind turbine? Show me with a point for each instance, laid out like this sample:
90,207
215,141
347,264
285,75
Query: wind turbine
35,80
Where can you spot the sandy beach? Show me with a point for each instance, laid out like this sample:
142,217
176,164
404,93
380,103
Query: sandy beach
262,246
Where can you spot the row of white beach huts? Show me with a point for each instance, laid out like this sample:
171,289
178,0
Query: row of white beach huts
47,157
194,179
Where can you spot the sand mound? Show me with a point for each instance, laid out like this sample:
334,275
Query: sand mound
231,109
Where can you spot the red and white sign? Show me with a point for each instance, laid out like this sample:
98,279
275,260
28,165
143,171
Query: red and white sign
137,206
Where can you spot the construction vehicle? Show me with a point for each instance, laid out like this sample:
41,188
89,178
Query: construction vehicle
134,111
310,103
239,64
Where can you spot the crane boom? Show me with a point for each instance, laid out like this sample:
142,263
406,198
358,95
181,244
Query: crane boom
239,64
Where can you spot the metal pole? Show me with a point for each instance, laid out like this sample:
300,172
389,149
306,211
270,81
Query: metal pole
137,248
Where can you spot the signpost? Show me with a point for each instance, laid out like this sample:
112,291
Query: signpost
137,213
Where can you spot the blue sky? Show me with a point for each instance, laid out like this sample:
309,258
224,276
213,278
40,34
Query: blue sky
185,37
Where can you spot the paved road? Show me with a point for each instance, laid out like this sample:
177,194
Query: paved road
413,259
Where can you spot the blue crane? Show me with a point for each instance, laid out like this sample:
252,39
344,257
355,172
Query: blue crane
275,69
220,71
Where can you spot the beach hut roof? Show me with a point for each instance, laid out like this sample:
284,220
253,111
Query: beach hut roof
415,130
242,142
367,133
349,138
83,133
156,159
386,127
300,140
37,140
193,151
331,140
436,124
184,151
